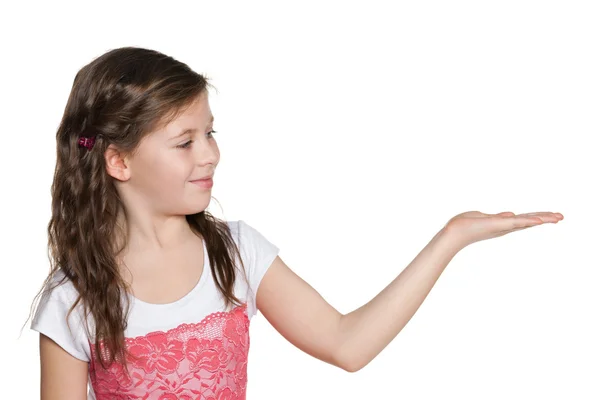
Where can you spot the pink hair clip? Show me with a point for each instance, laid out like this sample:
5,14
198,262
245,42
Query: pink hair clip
87,142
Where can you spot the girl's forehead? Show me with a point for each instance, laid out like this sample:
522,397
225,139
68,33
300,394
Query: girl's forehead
198,112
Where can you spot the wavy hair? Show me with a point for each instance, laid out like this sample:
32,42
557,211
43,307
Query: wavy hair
119,97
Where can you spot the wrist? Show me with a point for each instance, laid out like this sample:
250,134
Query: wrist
449,241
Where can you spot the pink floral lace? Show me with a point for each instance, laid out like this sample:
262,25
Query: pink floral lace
201,361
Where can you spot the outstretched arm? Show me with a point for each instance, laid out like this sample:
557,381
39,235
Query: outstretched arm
297,311
352,340
366,331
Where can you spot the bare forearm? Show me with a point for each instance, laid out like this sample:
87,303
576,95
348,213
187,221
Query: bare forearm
366,331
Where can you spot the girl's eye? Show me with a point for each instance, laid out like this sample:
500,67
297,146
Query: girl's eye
187,144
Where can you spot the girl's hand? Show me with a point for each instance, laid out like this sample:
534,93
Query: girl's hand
474,226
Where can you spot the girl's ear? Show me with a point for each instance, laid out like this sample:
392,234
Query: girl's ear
117,164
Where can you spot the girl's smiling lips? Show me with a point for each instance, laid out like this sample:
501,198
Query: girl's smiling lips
204,177
205,182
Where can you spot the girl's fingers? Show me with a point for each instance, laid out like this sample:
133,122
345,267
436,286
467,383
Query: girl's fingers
523,224
531,219
542,214
524,221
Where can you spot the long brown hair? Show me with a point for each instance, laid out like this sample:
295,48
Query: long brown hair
119,98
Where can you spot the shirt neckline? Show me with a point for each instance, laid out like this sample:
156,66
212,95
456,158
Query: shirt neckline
188,295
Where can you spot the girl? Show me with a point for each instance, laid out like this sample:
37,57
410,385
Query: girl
150,296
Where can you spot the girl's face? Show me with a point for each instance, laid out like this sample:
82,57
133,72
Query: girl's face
169,159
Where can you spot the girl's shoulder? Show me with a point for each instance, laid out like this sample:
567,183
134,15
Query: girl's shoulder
56,317
257,253
248,238
234,226
60,287
241,230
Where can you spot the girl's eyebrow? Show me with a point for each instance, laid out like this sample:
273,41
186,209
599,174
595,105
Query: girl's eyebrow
190,130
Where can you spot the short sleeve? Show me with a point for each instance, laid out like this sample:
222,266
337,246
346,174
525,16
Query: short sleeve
50,319
258,253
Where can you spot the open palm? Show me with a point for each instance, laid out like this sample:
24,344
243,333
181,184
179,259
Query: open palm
474,226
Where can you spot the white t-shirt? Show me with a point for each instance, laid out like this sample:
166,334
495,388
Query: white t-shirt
190,347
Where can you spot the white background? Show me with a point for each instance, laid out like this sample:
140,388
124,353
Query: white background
350,132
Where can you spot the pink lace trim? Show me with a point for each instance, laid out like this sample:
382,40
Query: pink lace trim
204,360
